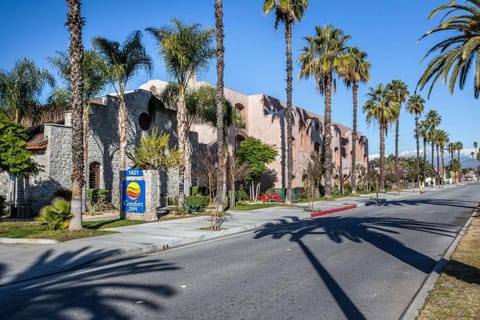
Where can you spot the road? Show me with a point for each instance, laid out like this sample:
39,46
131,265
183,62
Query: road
366,263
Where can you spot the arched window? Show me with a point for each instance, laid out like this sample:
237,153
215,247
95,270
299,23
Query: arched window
94,175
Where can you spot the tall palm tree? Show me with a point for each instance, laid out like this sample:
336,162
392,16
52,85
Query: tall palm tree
400,93
451,149
415,105
75,24
185,49
20,90
458,148
475,146
321,59
123,62
287,12
220,100
441,139
354,71
433,119
458,53
423,131
379,106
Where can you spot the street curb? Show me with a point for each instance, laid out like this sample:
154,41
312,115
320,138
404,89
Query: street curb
329,211
27,241
414,307
152,248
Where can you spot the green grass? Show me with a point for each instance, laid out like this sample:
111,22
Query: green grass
37,230
103,224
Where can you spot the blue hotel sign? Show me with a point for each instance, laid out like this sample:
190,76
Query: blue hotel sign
134,172
133,196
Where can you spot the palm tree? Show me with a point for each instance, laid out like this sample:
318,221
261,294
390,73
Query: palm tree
123,62
20,90
355,70
457,53
441,139
451,149
415,105
287,12
220,101
321,59
186,49
475,146
400,93
458,148
433,119
75,24
379,106
423,130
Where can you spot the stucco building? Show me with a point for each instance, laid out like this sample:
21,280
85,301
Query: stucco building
262,117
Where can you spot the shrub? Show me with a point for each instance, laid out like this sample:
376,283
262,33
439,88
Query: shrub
362,188
196,203
241,195
335,191
57,214
97,199
171,201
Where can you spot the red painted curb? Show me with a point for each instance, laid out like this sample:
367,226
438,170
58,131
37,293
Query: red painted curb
322,213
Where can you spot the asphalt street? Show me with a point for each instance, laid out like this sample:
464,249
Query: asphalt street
366,263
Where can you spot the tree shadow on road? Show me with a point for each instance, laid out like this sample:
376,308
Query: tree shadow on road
104,292
421,201
377,231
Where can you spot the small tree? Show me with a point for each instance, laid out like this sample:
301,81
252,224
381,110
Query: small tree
257,155
14,158
154,153
237,171
314,176
208,163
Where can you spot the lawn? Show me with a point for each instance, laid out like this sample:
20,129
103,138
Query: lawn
37,230
457,290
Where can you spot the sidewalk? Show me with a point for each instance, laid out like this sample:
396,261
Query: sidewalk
25,261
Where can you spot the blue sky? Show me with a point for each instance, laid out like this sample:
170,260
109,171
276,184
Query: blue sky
254,57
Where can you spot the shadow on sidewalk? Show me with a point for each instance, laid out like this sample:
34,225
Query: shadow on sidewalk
95,293
376,231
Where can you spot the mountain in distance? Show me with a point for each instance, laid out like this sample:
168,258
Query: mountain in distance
466,159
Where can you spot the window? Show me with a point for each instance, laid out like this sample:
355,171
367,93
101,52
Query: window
94,175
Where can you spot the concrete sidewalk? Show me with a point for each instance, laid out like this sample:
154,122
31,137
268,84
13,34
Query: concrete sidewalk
26,261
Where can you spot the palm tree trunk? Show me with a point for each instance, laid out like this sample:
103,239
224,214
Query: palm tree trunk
382,158
182,144
288,43
443,166
424,159
354,139
397,128
438,161
75,24
433,154
122,129
417,138
220,99
327,140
